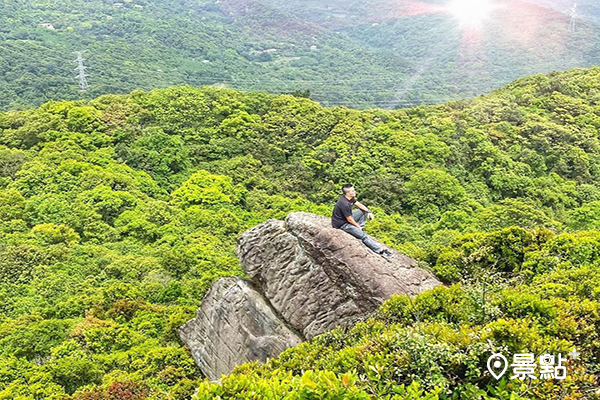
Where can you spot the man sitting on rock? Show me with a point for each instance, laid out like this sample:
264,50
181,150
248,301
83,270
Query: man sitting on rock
354,222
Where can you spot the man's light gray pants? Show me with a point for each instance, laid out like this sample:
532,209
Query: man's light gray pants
361,217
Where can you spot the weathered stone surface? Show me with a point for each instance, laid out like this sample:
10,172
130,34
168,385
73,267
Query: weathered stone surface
234,324
307,278
318,277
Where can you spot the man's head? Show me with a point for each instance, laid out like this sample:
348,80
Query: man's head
348,191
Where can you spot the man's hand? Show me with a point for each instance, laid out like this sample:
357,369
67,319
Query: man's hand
351,221
370,216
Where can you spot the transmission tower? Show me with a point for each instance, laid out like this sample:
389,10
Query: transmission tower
83,85
574,17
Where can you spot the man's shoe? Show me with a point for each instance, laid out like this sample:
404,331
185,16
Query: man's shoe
387,254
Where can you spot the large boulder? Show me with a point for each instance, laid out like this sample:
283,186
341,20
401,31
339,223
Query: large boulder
318,277
234,325
306,278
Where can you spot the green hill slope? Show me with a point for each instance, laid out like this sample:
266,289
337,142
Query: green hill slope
118,213
358,54
586,9
146,45
446,62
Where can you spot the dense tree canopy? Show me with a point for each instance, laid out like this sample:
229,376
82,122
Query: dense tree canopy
118,213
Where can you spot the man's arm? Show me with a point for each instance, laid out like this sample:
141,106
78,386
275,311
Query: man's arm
347,212
351,221
362,207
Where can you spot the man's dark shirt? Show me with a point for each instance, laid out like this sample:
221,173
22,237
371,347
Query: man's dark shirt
342,209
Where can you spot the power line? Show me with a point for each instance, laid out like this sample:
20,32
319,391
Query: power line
574,17
83,85
312,84
23,53
326,83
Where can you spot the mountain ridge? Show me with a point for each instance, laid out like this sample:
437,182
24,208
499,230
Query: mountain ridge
409,60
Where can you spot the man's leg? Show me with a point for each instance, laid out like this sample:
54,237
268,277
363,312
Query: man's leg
366,239
360,217
370,243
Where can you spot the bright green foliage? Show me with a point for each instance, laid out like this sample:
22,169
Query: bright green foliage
440,340
205,189
48,234
430,192
118,214
310,385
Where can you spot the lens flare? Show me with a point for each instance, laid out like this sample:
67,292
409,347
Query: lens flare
471,13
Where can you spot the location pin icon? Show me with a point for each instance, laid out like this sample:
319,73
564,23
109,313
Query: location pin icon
497,362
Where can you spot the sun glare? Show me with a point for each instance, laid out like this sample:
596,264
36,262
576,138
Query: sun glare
471,12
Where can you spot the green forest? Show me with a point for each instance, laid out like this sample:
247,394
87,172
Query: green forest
353,53
119,212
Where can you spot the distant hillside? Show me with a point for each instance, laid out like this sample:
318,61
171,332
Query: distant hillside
148,44
357,53
586,9
520,38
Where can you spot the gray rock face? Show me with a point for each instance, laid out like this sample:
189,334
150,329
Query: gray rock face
307,278
234,325
318,277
